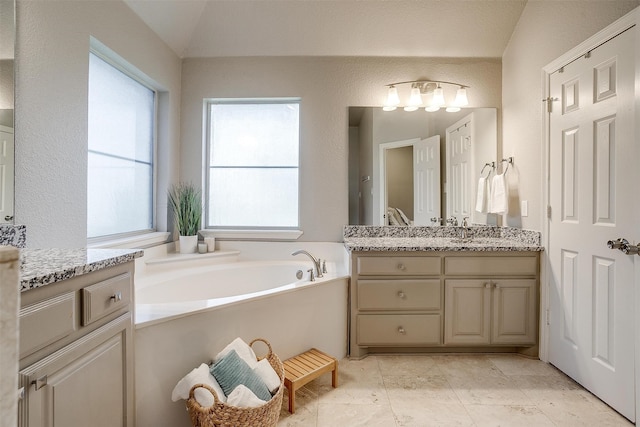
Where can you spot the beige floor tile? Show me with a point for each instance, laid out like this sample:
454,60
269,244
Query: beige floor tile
482,389
520,365
354,415
406,365
418,389
427,413
508,415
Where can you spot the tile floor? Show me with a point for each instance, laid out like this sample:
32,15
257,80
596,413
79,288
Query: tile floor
447,390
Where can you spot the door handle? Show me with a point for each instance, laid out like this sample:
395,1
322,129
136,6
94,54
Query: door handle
8,217
631,249
617,244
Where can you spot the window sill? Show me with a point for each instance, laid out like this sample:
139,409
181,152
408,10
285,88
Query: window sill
252,234
133,242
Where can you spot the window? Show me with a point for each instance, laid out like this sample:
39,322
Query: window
120,182
252,173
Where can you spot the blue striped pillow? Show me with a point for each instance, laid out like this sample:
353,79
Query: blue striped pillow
231,371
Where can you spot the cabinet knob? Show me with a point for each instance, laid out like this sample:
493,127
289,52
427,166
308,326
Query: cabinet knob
401,295
401,330
487,285
116,297
401,267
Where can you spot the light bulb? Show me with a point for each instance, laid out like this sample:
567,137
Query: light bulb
438,97
461,98
392,99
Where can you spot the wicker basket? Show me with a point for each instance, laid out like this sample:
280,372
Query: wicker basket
222,415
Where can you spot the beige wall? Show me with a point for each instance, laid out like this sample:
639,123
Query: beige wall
327,86
52,62
546,30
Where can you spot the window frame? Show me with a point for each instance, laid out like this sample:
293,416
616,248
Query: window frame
143,235
242,232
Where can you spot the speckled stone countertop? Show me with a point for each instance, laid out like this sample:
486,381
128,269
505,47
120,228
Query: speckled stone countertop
480,238
41,267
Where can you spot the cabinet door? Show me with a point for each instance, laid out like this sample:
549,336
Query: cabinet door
514,312
467,312
85,383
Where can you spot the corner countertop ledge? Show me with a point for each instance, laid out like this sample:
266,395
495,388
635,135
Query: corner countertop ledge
41,267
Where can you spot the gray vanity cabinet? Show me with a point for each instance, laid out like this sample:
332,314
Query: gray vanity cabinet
76,351
434,301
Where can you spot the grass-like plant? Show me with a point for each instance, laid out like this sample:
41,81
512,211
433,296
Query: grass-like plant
186,203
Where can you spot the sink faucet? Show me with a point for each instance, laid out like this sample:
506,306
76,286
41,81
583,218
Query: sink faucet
464,231
316,261
453,221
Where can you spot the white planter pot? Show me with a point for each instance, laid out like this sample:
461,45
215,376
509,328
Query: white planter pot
188,244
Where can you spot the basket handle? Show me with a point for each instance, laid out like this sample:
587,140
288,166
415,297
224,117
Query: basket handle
216,401
269,353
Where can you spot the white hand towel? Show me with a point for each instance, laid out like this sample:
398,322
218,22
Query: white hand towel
499,200
198,375
268,375
243,349
242,397
482,198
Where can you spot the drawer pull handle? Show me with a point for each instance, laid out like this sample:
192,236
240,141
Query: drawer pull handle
116,297
401,267
401,330
402,295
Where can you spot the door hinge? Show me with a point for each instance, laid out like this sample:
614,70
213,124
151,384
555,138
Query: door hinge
547,317
549,211
549,100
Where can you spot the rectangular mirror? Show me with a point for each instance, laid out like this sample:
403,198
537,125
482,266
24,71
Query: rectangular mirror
419,168
7,40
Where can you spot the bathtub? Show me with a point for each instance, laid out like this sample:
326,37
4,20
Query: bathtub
185,312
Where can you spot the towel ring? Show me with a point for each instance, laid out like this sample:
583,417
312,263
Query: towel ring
509,161
492,165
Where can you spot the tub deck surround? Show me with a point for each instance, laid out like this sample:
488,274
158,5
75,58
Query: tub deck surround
13,235
41,267
481,238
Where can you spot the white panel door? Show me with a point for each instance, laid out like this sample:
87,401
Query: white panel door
458,171
6,175
593,182
426,181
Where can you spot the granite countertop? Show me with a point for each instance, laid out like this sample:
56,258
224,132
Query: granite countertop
480,238
408,244
41,267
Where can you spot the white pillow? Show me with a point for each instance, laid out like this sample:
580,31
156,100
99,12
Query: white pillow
404,217
266,372
243,349
198,375
242,397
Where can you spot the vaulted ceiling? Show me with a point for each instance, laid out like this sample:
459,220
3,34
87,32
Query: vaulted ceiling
428,28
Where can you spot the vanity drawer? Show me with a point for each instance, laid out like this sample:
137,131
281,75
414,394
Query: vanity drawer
399,294
491,265
105,297
46,322
398,266
399,329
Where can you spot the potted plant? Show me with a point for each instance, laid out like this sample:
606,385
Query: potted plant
186,204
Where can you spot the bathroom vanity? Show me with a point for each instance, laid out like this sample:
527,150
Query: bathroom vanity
76,344
435,292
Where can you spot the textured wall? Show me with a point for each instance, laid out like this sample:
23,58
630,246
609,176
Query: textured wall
327,86
546,30
52,60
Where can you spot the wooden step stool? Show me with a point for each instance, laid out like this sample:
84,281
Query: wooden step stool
305,367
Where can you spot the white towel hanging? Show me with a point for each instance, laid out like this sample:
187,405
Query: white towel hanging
499,197
482,198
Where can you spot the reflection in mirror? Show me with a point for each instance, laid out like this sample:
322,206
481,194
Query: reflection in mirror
7,38
400,163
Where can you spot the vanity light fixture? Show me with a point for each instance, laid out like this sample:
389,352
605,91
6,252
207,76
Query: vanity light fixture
434,93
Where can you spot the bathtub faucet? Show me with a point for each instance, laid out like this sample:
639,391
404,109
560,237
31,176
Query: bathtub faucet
316,261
